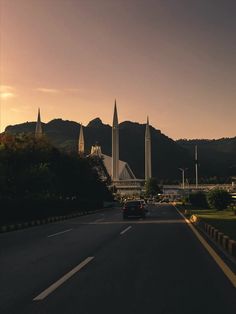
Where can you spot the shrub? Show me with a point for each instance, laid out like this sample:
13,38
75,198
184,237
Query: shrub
198,199
151,187
218,199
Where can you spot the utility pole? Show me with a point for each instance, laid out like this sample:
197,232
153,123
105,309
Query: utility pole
196,165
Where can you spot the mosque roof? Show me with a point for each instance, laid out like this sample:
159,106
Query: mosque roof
125,172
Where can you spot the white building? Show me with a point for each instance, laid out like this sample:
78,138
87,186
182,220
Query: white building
122,176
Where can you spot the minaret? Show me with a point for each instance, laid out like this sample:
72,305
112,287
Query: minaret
115,146
148,159
81,141
196,166
38,129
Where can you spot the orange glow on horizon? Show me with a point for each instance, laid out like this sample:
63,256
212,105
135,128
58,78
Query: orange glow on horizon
82,57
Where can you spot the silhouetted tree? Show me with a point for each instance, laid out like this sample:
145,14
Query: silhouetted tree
219,199
151,187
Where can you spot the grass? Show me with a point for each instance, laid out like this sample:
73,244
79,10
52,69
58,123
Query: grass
224,220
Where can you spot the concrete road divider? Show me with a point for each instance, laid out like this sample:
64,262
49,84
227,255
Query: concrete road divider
227,244
17,226
232,247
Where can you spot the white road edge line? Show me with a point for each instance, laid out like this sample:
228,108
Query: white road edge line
59,282
55,234
125,230
226,270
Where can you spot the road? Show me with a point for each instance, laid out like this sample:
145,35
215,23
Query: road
102,264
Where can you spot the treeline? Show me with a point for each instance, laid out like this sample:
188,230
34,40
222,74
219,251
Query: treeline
37,180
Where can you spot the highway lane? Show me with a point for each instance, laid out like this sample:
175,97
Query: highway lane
30,259
156,266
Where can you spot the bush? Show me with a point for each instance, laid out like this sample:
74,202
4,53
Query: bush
38,180
198,199
152,188
218,199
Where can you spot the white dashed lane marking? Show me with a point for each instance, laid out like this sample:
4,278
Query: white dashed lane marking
58,233
59,282
125,230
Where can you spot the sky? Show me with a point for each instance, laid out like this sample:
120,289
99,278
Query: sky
174,61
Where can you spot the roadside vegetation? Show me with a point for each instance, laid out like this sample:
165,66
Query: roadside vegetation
37,180
224,220
215,208
152,188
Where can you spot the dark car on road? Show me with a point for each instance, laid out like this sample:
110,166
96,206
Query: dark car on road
134,208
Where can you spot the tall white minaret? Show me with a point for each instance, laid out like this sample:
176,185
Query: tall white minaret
81,141
196,166
148,156
38,129
115,146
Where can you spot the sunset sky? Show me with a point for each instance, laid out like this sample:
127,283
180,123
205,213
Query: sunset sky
172,60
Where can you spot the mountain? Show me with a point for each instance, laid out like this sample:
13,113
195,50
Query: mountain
215,156
167,155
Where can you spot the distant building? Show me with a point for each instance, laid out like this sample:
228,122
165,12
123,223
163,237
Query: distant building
124,170
122,176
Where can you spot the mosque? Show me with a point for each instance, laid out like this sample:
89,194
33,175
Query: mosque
123,178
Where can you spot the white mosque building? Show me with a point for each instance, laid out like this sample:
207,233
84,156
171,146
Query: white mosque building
122,176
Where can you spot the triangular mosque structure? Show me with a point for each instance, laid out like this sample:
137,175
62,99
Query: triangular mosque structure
123,178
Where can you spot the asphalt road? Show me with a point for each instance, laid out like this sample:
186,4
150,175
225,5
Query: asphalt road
107,265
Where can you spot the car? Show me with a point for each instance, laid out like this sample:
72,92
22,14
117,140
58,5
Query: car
143,202
135,208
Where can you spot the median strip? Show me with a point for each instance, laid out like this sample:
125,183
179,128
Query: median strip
58,233
226,270
125,230
59,282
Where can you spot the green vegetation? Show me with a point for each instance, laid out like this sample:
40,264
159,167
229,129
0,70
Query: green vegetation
216,199
219,199
37,180
225,221
198,199
152,188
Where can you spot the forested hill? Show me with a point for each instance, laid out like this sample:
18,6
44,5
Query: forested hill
218,155
167,155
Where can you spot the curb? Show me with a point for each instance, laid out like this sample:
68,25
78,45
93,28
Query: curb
44,221
222,240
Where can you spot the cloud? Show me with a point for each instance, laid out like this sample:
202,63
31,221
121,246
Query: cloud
6,91
73,90
48,90
6,95
6,88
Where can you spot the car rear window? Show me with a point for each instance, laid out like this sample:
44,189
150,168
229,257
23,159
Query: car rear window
132,204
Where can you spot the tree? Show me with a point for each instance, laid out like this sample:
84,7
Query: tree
198,199
151,187
33,167
218,199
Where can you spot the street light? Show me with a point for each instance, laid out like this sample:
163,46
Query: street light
183,176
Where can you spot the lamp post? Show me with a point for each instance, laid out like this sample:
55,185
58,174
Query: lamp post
183,176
